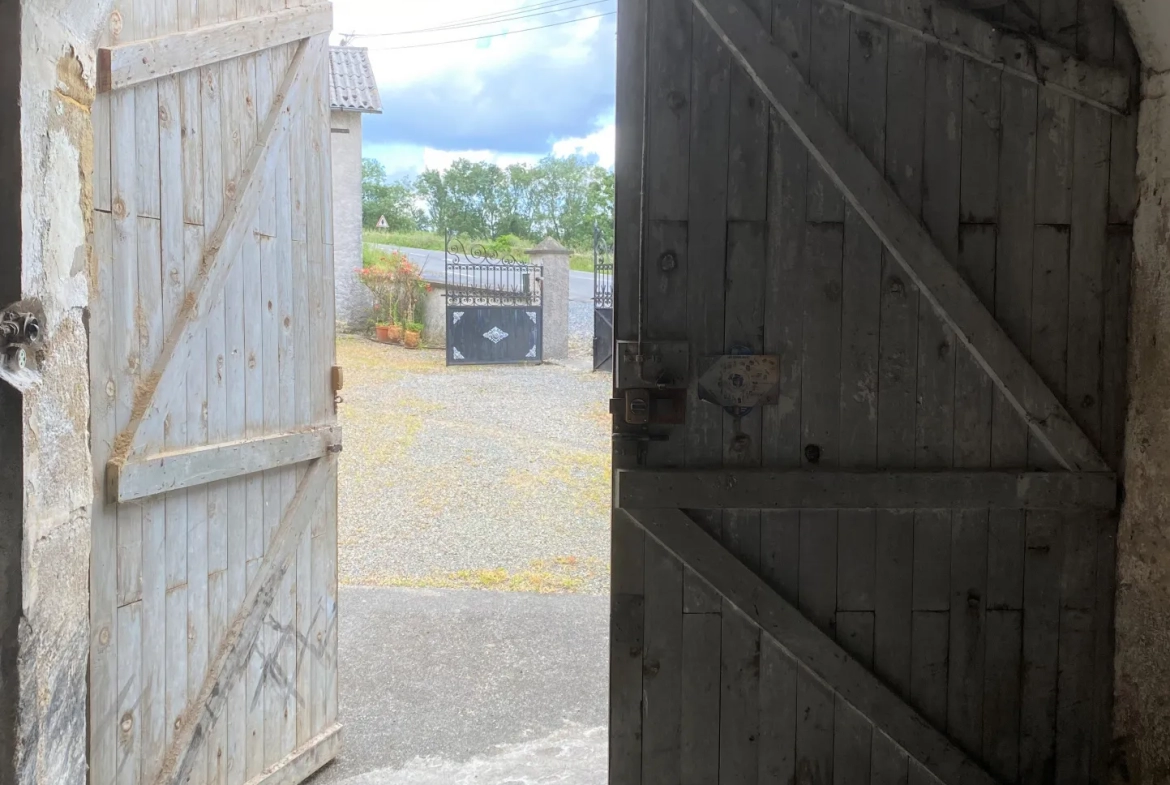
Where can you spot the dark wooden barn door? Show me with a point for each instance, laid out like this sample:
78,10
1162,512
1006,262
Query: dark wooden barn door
872,272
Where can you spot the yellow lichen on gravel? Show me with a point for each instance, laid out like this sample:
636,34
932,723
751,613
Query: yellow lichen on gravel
472,477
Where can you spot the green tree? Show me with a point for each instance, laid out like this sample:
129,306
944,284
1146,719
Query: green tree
381,197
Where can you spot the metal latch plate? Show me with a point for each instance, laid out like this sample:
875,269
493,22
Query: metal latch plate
740,381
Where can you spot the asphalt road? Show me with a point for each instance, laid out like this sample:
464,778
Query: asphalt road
445,687
432,266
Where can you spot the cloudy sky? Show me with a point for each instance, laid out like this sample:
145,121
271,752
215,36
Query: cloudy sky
513,97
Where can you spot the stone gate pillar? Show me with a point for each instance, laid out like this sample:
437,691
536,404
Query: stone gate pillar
555,298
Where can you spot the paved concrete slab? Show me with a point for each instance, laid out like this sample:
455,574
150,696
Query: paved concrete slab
444,687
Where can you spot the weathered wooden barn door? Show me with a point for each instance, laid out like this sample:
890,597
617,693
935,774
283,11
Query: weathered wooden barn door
214,604
877,253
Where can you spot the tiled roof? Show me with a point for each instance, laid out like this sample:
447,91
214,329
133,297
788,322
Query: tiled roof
351,80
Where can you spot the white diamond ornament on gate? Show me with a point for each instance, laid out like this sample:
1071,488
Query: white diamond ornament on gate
495,335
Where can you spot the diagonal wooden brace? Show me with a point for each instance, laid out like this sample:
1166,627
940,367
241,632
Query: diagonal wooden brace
232,658
810,648
867,191
223,246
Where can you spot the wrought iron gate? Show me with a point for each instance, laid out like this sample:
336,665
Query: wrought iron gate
494,313
602,303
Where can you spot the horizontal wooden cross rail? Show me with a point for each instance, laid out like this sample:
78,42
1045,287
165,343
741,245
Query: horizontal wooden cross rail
1028,57
697,489
132,63
140,478
809,647
868,192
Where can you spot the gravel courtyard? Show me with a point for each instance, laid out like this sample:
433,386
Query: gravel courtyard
487,478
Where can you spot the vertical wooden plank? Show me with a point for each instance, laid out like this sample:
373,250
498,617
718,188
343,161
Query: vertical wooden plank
1119,260
210,208
979,191
1013,281
1001,693
739,709
1054,158
103,595
1087,250
130,694
254,309
783,312
627,540
778,718
821,384
303,413
744,309
966,661
934,428
1041,620
1103,630
668,95
662,675
707,245
861,320
287,373
184,412
330,324
747,167
1009,445
161,568
969,528
829,76
123,304
274,691
928,665
146,115
101,152
821,380
1123,138
897,392
814,730
747,152
191,123
699,717
1075,685
232,96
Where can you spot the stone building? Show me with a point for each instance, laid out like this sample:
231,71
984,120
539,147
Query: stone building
353,92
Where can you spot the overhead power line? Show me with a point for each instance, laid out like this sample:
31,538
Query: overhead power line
515,14
494,35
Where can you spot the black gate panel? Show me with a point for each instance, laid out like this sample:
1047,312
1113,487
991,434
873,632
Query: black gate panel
602,303
490,334
493,308
603,339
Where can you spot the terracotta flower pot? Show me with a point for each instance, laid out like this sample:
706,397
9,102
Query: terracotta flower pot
382,331
394,333
411,339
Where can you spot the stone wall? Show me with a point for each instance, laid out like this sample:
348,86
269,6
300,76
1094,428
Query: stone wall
1142,675
353,300
57,54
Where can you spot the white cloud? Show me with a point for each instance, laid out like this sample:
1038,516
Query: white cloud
395,67
600,142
